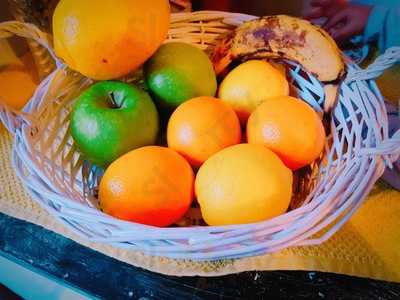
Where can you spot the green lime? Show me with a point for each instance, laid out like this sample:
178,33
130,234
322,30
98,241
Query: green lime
178,72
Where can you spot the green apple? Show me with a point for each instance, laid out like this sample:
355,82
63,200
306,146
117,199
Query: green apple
111,118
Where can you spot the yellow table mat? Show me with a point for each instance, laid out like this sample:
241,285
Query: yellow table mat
367,246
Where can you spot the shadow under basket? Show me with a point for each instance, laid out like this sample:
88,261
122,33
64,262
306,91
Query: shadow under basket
357,151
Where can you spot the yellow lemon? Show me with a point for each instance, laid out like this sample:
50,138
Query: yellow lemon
243,184
250,84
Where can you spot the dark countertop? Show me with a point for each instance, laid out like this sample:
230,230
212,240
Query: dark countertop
107,278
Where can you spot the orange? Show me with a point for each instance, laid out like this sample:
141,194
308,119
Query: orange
252,83
289,127
150,185
18,80
107,39
16,87
243,184
202,126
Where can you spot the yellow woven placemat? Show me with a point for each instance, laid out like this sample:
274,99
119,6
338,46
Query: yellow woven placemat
367,246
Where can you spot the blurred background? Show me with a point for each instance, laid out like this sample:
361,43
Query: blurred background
256,7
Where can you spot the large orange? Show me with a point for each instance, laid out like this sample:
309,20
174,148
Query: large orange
290,128
150,185
106,39
201,127
243,184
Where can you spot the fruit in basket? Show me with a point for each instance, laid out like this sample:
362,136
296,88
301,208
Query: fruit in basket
16,87
250,84
178,72
243,184
152,185
284,37
108,39
201,127
290,128
111,118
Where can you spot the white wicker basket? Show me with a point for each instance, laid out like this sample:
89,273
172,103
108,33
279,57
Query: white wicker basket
358,151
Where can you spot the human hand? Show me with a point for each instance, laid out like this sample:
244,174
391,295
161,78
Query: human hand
324,8
343,19
348,22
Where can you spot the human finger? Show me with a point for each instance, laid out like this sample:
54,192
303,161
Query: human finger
335,19
315,13
321,2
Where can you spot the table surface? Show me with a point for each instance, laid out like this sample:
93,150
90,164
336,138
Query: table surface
47,252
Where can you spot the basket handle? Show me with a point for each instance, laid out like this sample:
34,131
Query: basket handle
28,31
376,69
389,147
11,118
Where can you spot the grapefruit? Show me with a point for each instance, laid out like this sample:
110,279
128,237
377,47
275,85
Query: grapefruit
107,39
243,184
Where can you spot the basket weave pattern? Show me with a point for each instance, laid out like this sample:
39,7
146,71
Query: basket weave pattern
357,152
